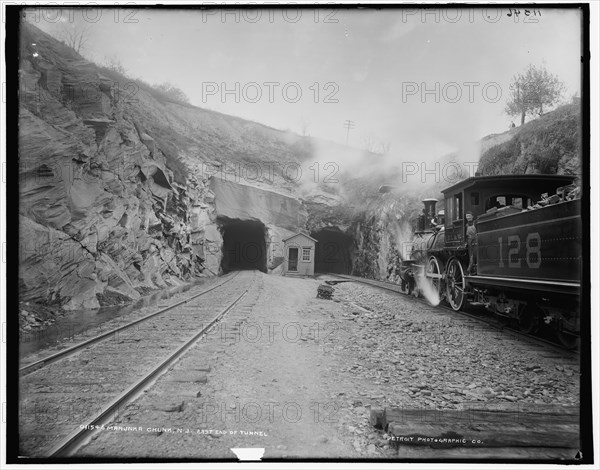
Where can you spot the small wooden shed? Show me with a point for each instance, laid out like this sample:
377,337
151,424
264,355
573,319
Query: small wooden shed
299,255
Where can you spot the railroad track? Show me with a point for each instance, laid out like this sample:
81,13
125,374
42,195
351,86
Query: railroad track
479,318
68,395
68,351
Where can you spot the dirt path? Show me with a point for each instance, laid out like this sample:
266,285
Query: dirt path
278,371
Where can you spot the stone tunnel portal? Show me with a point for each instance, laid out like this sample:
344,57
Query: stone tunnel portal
244,245
333,251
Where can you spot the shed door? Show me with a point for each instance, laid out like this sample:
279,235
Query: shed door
293,259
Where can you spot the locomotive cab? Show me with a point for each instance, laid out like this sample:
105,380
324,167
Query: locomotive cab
488,194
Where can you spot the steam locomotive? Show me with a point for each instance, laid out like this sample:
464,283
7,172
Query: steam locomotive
524,262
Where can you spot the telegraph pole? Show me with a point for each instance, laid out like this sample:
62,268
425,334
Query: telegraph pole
348,125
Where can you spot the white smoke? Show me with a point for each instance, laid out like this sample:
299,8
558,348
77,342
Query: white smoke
427,290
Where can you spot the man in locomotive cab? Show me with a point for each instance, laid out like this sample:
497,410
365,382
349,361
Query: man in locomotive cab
438,221
471,237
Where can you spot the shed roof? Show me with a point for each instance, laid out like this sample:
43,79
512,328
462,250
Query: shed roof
300,234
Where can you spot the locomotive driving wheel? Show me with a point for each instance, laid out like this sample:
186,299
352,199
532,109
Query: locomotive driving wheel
567,339
455,284
529,319
434,275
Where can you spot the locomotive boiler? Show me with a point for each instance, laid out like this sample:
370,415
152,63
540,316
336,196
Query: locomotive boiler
521,259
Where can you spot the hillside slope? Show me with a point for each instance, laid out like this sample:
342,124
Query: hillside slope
550,144
114,193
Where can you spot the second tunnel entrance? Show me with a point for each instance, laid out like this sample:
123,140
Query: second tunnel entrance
333,251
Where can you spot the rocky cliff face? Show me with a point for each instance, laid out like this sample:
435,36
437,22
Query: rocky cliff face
99,214
384,232
115,196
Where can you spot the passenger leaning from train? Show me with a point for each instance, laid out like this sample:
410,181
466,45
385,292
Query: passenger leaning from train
471,235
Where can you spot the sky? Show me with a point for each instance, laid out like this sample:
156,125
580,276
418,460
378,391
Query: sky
422,83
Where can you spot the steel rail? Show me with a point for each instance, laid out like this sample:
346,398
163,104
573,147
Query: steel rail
73,349
67,445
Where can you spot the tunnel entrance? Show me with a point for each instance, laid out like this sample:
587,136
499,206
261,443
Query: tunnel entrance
333,251
244,245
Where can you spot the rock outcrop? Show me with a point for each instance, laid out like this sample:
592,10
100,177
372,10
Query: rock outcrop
244,202
100,210
383,232
115,192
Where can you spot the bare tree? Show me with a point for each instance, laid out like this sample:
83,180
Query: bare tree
384,147
532,92
170,90
371,144
304,127
75,35
113,63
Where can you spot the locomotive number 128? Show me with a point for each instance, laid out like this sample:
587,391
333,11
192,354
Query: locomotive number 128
533,255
